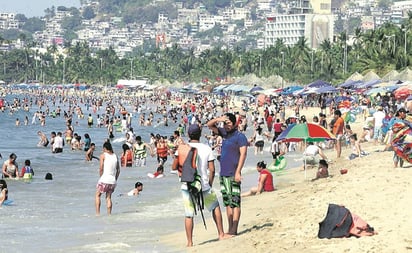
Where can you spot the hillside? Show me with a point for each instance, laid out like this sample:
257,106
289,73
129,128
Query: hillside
147,10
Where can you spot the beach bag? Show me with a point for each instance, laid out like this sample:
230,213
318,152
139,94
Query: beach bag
337,223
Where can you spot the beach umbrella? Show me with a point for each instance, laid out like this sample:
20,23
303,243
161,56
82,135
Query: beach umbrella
256,89
402,92
305,132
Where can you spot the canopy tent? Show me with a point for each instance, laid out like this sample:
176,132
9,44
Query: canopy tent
369,84
350,84
355,77
327,89
318,84
289,90
405,75
370,76
390,76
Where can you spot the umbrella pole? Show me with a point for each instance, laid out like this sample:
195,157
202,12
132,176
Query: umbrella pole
304,160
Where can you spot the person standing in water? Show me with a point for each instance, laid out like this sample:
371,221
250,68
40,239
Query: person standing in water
109,172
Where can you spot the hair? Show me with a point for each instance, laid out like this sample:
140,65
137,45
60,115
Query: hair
231,117
107,145
138,184
27,162
347,126
324,163
92,144
338,112
177,133
125,147
195,136
13,156
139,138
86,136
261,164
48,176
3,184
354,136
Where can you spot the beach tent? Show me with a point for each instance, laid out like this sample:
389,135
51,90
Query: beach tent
370,76
391,76
405,75
350,84
318,84
327,89
355,77
289,90
369,84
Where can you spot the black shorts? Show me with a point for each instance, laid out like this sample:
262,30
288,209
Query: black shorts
259,144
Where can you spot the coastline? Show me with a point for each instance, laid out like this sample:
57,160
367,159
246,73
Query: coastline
287,220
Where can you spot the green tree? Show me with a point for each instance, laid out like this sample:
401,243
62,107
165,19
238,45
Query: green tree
34,25
88,13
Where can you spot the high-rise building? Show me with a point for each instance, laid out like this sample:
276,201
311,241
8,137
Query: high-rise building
311,19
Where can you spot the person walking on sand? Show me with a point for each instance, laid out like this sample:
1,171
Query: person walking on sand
337,130
234,152
109,172
206,170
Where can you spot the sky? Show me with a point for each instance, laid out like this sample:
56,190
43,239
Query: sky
34,8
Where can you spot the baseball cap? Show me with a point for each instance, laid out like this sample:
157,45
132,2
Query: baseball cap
194,129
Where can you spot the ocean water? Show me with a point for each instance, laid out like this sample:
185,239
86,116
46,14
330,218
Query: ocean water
59,215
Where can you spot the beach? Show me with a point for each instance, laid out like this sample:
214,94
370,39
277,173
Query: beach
287,220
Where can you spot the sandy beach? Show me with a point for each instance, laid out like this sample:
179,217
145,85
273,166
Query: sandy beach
287,220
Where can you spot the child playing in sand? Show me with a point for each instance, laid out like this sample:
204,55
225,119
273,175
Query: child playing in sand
356,147
323,170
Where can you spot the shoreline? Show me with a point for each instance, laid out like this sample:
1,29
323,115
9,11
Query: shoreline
288,219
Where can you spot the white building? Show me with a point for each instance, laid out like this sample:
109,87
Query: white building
312,20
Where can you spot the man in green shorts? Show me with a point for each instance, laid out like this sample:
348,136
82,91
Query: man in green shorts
234,151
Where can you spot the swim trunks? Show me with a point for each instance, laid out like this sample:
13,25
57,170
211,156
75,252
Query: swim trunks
230,191
108,188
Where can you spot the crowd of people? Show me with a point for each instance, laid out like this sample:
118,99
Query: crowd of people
231,130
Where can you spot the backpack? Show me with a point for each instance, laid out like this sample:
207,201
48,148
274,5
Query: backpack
187,166
340,222
337,223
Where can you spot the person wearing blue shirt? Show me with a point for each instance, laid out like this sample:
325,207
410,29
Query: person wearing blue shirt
233,156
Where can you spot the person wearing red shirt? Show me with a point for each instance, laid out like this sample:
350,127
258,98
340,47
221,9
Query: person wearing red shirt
265,183
337,130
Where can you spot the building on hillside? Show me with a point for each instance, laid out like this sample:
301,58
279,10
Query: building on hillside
311,19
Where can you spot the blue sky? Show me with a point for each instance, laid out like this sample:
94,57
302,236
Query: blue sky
34,8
